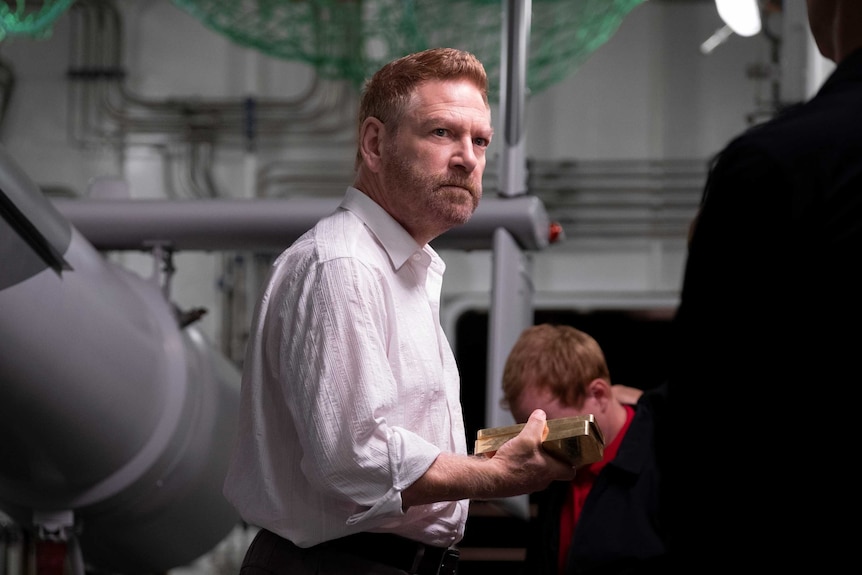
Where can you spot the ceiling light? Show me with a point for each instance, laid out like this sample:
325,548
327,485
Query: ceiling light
742,16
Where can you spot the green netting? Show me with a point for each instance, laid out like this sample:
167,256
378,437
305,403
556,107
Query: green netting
350,39
25,20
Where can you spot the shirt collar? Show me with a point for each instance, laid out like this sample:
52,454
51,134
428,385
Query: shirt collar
398,244
610,450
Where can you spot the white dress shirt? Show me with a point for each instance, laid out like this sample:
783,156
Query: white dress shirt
350,389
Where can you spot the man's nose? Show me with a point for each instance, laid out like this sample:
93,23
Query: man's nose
465,156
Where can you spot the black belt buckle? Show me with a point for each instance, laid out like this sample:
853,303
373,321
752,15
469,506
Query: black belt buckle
436,561
449,562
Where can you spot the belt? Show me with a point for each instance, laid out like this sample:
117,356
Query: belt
399,552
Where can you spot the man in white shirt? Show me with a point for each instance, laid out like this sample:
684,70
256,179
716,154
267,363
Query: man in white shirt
351,455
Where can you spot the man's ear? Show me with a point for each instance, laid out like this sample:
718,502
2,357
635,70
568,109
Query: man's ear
371,136
601,391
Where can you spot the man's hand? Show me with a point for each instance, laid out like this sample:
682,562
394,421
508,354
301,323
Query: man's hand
519,466
626,394
528,465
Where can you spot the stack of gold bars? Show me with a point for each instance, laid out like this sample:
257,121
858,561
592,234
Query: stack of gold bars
576,440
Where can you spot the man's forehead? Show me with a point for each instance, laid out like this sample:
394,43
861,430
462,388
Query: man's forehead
456,89
449,109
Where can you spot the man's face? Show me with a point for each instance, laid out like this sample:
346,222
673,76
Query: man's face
432,167
534,397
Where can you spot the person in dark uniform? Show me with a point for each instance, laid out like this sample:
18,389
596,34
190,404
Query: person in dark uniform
770,316
608,518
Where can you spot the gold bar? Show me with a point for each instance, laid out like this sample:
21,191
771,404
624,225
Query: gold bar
576,440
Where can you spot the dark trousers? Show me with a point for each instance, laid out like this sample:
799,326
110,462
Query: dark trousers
361,554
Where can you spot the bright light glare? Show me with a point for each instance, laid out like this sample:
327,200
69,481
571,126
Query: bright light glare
743,16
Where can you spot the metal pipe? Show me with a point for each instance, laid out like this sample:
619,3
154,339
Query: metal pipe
271,224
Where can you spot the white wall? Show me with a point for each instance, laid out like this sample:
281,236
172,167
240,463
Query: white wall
648,92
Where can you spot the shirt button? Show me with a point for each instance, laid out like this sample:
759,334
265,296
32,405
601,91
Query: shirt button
417,257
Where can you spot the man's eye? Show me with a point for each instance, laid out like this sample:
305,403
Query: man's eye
481,142
440,132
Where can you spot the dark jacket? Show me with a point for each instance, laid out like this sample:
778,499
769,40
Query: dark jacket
619,529
770,315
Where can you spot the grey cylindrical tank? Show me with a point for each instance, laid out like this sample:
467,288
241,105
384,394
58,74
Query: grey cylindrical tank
107,408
